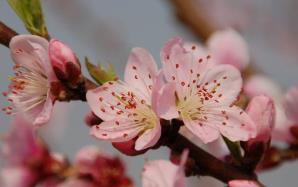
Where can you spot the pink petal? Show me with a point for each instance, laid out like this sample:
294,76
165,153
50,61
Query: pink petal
159,173
226,81
242,183
232,122
291,104
282,126
17,176
177,63
20,144
118,130
228,47
261,109
164,99
149,138
105,101
141,71
184,65
207,133
32,51
43,116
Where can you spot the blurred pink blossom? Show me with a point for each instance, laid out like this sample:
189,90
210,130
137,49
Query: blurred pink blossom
104,169
291,104
29,90
17,177
162,173
228,47
74,182
205,94
262,85
20,145
128,108
242,183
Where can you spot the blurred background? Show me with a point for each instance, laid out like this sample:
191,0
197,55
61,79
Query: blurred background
106,30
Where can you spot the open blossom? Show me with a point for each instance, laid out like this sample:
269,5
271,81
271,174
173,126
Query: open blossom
162,173
228,47
129,109
205,94
29,91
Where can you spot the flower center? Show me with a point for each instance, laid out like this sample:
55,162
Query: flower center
27,90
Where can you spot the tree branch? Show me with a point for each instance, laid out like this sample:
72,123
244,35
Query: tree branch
188,13
6,34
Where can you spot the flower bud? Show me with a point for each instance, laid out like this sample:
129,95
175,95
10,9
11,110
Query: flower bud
64,61
262,111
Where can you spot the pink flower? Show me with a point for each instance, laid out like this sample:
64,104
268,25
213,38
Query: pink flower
228,47
242,183
131,109
17,177
261,85
291,104
262,111
104,169
162,173
29,90
20,145
205,94
64,60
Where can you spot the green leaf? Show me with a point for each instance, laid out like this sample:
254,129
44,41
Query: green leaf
99,73
30,12
234,148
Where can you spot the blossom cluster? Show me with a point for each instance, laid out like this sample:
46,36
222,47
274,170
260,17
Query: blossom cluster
199,86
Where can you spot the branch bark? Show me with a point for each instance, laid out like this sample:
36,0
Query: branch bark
188,13
6,34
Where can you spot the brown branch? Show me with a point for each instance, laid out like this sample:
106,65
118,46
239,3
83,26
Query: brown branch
189,14
6,34
203,162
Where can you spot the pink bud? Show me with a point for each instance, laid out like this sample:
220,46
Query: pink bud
262,111
64,60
